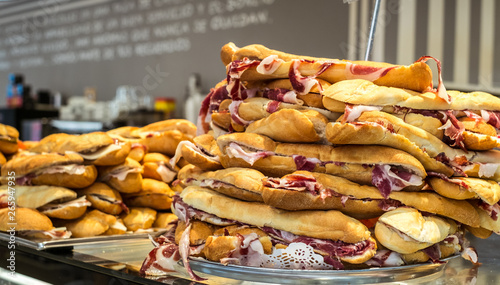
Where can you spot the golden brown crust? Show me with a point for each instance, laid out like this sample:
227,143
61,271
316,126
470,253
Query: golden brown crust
416,76
67,213
446,250
255,108
366,134
100,189
479,232
486,221
240,183
9,137
420,231
478,126
154,194
293,126
362,202
165,142
475,141
68,180
131,183
364,92
26,219
139,218
473,101
115,157
450,190
347,161
199,233
155,164
117,228
295,200
486,190
182,125
426,123
318,224
163,220
208,144
32,163
93,223
36,196
460,211
85,143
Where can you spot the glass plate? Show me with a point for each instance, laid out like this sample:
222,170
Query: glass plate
288,276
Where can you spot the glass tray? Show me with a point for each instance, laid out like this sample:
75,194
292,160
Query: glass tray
427,271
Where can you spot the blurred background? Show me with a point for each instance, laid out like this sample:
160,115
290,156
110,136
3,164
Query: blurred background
85,65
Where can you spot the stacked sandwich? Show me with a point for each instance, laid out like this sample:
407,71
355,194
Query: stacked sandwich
364,162
100,183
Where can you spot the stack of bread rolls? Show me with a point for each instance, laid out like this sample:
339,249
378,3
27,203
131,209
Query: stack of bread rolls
289,146
99,183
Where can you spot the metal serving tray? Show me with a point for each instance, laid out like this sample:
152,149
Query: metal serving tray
41,244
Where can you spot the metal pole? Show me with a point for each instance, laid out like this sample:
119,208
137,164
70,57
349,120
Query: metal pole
372,29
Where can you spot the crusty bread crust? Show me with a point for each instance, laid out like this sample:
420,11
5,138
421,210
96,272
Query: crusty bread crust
165,142
93,223
240,183
163,219
364,92
66,213
422,231
486,190
26,219
367,134
351,162
131,183
486,221
102,189
473,101
37,196
154,194
208,144
139,218
318,224
68,180
417,76
115,157
295,200
460,211
23,165
446,250
182,125
292,126
253,109
426,123
8,145
479,232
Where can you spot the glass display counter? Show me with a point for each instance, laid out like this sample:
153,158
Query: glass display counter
119,263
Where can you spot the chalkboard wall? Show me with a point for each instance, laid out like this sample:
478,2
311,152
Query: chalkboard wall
155,45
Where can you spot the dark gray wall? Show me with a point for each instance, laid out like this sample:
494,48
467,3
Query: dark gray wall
68,45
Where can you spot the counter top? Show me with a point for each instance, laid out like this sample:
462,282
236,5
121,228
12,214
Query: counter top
119,262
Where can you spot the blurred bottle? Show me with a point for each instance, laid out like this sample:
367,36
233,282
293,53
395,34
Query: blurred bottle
192,104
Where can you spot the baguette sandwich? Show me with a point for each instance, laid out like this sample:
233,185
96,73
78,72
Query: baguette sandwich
97,148
125,177
386,168
31,224
53,201
9,137
339,238
53,169
104,198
